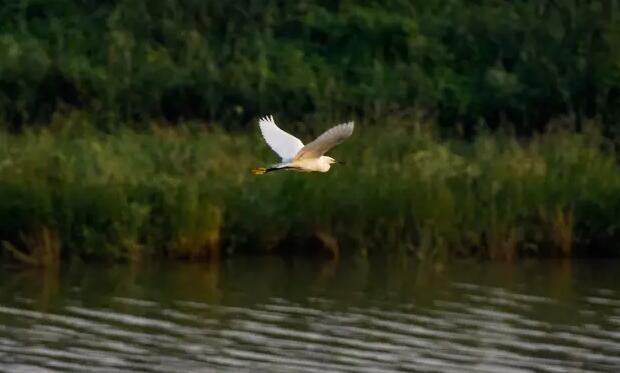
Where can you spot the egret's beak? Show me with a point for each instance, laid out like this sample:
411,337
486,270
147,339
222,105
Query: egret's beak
341,162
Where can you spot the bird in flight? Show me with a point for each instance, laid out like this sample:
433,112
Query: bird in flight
295,155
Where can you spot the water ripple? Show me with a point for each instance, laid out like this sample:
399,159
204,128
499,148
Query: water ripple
464,327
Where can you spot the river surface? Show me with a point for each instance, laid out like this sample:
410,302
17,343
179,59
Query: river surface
299,315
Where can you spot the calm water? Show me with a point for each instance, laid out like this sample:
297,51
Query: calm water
271,314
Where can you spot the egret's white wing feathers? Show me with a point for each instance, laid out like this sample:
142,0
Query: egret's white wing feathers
326,141
283,143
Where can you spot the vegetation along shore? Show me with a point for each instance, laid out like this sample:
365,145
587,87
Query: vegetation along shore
486,129
187,192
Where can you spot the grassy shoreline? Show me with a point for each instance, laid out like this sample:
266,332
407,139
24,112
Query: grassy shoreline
188,193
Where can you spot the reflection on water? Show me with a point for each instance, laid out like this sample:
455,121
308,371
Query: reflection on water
272,314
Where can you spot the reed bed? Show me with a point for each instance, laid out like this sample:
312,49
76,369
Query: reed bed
187,193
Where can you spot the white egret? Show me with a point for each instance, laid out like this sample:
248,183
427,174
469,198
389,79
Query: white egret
295,155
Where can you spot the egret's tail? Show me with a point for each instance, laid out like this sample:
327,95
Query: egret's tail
259,170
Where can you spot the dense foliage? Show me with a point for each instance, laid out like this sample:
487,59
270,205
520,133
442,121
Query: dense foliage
75,65
462,61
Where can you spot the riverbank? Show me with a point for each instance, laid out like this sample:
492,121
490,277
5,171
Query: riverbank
188,193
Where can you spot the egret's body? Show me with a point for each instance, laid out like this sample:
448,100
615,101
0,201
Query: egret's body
321,164
295,155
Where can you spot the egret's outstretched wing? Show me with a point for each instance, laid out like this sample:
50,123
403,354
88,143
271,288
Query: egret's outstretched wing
283,143
326,141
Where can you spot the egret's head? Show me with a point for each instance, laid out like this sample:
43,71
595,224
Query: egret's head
332,161
325,163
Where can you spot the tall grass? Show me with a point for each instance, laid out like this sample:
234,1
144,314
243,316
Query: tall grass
188,193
